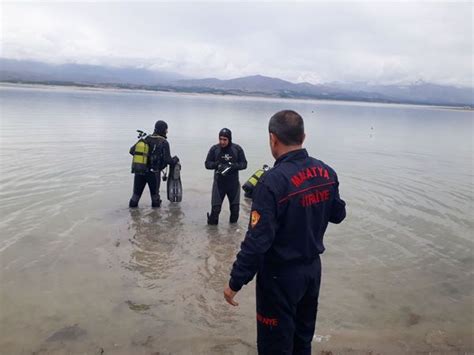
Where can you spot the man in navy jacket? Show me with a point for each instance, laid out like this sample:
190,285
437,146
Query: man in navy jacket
292,205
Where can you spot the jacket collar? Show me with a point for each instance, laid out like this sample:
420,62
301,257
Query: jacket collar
293,155
156,135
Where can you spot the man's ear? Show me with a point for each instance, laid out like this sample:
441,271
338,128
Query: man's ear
304,136
273,140
274,145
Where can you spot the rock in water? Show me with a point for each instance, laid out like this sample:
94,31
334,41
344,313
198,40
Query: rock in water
72,332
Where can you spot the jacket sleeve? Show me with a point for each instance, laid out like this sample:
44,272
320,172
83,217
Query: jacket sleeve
132,149
241,160
211,162
167,160
259,238
338,208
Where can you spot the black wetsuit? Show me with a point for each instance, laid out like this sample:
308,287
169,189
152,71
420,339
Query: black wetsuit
152,176
229,184
292,206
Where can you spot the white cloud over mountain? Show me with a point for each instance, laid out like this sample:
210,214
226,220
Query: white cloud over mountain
382,42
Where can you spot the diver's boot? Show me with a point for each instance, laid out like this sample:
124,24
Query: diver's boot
234,214
133,203
212,219
155,201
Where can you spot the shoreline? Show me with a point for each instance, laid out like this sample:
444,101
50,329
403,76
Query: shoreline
113,88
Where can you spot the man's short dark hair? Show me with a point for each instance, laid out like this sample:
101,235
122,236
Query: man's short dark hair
288,126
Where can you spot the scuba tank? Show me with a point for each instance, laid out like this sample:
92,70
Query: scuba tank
173,186
249,185
140,155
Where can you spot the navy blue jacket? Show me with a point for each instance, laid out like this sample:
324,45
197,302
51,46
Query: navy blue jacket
292,205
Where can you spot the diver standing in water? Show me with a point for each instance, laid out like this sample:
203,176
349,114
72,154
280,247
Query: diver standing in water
151,156
226,159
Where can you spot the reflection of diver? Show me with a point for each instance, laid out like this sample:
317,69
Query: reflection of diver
150,224
226,159
219,252
153,237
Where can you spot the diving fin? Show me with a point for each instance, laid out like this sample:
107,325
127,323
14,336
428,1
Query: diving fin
174,186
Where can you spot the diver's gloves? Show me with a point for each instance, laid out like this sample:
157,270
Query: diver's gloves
224,169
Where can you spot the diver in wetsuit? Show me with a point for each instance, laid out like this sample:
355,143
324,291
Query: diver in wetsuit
226,159
158,158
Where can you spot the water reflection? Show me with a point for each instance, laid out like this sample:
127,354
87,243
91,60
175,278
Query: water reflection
154,237
219,247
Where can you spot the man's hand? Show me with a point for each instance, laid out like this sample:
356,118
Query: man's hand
229,295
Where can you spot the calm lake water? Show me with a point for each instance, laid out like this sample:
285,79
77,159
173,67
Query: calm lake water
81,273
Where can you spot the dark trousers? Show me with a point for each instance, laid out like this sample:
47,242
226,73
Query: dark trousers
221,189
139,183
287,305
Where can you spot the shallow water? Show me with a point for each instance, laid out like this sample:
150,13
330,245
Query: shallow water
81,273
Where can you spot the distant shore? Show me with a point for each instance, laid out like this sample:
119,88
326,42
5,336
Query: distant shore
216,92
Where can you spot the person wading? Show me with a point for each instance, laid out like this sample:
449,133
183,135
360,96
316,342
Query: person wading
157,158
292,205
226,159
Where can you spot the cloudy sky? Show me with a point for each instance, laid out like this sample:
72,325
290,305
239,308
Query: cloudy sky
384,42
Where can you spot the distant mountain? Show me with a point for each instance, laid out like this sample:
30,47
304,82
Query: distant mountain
416,93
21,70
72,74
258,84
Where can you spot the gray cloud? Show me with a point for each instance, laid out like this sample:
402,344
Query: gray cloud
384,42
